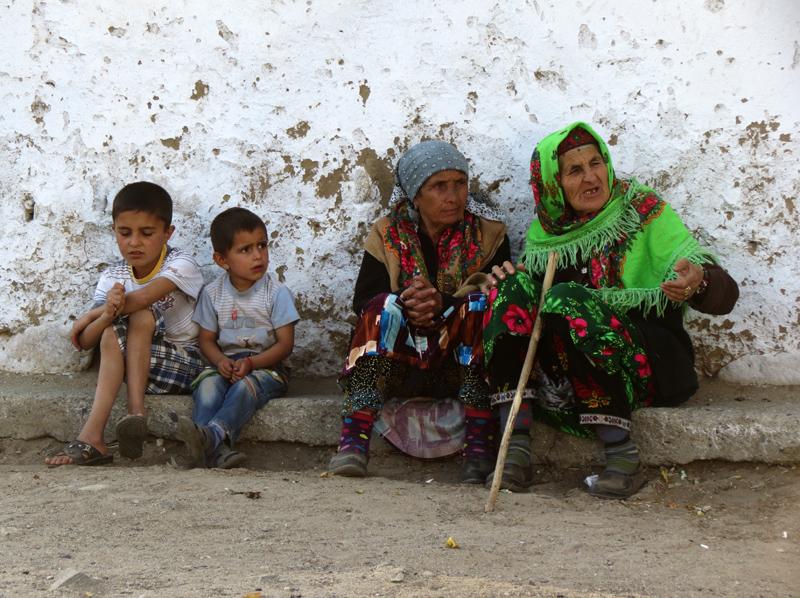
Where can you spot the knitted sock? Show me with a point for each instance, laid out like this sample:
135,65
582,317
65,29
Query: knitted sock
478,434
519,448
523,419
357,431
622,456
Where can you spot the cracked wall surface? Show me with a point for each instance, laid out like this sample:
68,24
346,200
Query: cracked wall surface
299,110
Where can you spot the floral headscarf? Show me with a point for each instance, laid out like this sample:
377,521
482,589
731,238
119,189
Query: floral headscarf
631,244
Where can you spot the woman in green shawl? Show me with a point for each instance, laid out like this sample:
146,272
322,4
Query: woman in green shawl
613,337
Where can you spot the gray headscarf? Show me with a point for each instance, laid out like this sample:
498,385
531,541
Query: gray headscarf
425,159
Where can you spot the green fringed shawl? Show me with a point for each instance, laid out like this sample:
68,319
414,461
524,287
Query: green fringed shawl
631,245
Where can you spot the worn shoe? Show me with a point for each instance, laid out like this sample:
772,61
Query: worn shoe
474,471
617,485
198,438
515,477
350,464
131,431
225,458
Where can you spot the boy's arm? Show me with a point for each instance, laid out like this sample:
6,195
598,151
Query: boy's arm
278,352
211,351
145,297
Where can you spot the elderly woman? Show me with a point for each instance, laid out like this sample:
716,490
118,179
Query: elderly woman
613,337
421,310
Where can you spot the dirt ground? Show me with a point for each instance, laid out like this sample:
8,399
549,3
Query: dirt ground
154,528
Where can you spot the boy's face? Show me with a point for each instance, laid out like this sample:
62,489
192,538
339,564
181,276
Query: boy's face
247,259
140,238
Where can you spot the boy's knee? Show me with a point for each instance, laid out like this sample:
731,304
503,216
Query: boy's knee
142,320
108,341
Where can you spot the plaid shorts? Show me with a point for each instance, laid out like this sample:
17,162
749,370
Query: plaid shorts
172,367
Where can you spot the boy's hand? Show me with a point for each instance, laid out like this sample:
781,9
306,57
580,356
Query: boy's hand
241,369
226,367
115,300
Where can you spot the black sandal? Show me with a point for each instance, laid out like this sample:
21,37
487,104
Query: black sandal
81,453
131,433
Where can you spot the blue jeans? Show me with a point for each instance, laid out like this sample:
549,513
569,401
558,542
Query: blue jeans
231,405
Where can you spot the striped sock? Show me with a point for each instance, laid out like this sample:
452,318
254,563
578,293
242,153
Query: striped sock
519,448
478,434
357,431
622,456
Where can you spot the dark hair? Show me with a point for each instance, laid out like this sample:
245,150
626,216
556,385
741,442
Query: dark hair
143,197
230,222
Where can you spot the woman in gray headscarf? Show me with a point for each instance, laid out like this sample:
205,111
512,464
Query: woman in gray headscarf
420,307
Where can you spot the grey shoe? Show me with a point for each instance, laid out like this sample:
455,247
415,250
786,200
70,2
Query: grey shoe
350,464
225,458
515,477
474,471
197,438
617,485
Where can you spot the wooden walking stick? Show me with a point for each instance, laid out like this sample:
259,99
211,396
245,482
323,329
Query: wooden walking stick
552,262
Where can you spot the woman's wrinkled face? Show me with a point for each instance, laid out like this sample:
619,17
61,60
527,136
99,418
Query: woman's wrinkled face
584,179
441,200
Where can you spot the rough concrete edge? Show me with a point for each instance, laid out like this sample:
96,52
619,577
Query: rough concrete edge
770,434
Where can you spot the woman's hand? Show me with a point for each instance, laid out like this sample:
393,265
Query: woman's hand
423,302
689,278
500,273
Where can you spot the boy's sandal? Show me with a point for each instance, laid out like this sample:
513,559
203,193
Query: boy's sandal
197,438
131,432
225,458
81,453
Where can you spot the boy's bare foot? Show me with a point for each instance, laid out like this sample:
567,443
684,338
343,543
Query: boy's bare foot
79,452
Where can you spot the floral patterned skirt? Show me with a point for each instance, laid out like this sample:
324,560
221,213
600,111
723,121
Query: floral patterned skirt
590,367
389,358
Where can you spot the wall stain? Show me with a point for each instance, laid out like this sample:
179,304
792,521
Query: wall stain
39,109
757,132
331,184
364,92
200,90
380,170
299,130
550,79
309,169
173,142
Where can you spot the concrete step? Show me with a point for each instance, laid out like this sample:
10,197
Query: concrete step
723,421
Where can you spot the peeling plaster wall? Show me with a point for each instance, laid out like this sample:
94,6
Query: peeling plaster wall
298,110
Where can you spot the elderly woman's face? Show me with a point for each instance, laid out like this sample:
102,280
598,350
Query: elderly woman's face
584,179
441,200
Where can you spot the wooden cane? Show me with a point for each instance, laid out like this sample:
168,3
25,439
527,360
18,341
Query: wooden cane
552,262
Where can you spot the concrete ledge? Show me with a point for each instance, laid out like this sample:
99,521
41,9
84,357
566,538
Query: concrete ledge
732,423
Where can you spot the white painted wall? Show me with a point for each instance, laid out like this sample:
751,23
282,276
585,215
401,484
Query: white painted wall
299,109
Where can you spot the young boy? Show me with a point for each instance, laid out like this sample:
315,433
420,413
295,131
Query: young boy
247,324
142,320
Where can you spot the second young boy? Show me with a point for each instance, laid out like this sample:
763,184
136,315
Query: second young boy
247,320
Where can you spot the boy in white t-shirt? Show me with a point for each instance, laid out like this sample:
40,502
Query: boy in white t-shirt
142,320
247,320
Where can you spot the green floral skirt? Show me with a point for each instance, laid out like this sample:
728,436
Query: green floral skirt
590,367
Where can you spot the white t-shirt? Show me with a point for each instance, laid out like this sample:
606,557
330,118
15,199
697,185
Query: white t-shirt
177,307
245,322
